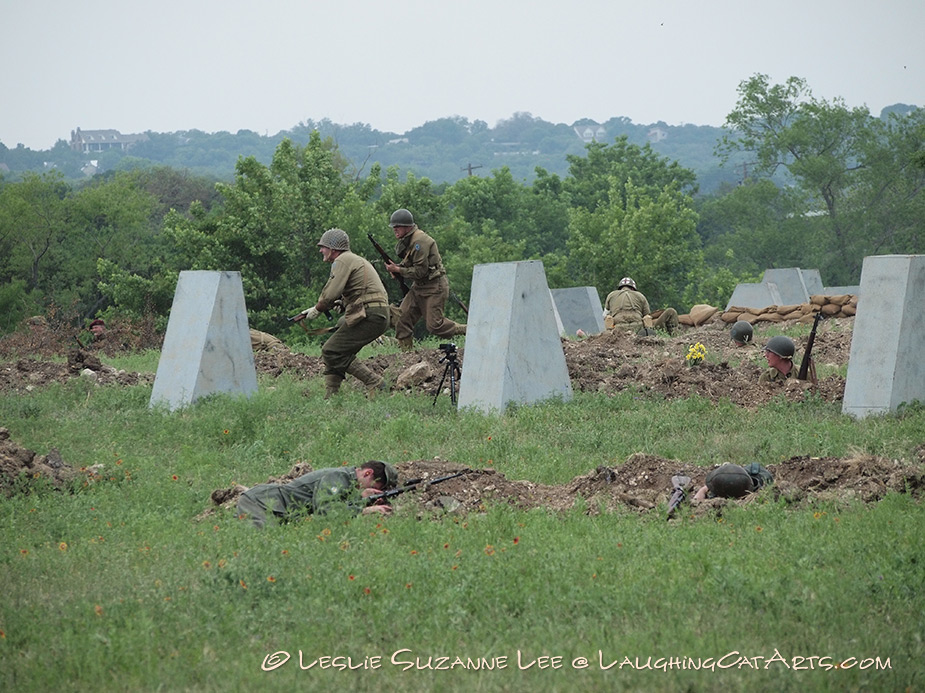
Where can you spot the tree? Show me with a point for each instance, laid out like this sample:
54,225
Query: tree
652,238
605,168
853,169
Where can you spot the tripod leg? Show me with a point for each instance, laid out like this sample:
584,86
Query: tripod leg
440,386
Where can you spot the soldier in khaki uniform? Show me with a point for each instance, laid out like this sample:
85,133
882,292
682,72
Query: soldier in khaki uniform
366,312
627,308
779,353
420,261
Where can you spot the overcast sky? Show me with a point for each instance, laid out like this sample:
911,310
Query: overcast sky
266,66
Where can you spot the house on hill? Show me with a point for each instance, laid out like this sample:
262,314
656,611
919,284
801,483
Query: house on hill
87,141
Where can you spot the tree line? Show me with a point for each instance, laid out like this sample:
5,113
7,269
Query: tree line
826,186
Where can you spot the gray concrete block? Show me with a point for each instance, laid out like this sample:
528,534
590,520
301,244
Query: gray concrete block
794,285
841,290
579,308
207,347
755,296
513,349
887,362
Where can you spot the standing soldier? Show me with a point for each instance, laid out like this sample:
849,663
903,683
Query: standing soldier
366,312
420,261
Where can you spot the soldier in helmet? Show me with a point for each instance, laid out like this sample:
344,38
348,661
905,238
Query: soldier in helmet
420,262
779,353
627,308
741,333
734,481
366,312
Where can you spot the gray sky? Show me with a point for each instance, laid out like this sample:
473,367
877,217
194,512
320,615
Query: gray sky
267,66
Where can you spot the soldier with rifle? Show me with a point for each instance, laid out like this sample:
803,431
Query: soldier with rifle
314,493
420,262
356,284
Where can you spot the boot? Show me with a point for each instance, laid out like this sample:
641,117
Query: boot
460,329
332,384
371,380
406,344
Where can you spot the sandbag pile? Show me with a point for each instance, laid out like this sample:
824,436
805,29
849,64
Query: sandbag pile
841,306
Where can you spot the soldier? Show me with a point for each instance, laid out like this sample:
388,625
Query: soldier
779,353
741,333
366,312
627,308
313,492
420,261
734,481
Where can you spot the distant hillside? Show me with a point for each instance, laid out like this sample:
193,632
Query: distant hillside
443,150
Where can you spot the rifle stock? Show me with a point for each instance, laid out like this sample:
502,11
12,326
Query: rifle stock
680,484
385,258
411,485
808,351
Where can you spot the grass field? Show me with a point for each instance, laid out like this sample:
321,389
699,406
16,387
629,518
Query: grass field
115,587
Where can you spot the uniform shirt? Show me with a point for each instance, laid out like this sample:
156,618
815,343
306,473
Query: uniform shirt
420,258
310,494
772,375
626,305
353,280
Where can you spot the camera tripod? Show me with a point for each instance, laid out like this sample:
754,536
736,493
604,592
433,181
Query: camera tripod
452,369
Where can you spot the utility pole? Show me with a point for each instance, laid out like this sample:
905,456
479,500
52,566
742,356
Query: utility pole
470,167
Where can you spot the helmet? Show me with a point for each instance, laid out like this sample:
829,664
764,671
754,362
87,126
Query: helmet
741,332
335,239
626,281
401,217
729,481
782,346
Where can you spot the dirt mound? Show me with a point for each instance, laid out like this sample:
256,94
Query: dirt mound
26,374
642,483
21,467
610,362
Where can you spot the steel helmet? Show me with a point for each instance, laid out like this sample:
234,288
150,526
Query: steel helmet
626,281
782,346
741,332
335,239
729,481
401,217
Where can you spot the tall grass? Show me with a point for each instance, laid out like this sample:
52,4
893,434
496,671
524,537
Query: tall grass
116,587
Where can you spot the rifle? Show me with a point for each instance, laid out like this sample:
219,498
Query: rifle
319,330
807,361
680,484
459,301
385,258
383,497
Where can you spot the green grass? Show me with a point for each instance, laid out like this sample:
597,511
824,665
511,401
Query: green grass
115,587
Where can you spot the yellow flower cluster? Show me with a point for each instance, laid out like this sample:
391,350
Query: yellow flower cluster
696,354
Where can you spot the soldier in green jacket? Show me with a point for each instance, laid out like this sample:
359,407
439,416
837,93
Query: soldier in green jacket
366,312
779,353
420,261
314,492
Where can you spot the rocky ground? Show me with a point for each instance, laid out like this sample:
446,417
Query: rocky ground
611,362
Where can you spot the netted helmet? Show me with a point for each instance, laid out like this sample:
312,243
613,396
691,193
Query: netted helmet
729,481
401,217
335,239
741,332
782,346
626,281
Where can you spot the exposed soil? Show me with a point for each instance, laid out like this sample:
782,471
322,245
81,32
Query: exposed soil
609,363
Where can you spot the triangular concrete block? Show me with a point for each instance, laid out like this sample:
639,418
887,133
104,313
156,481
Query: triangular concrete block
207,347
579,309
886,366
513,349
